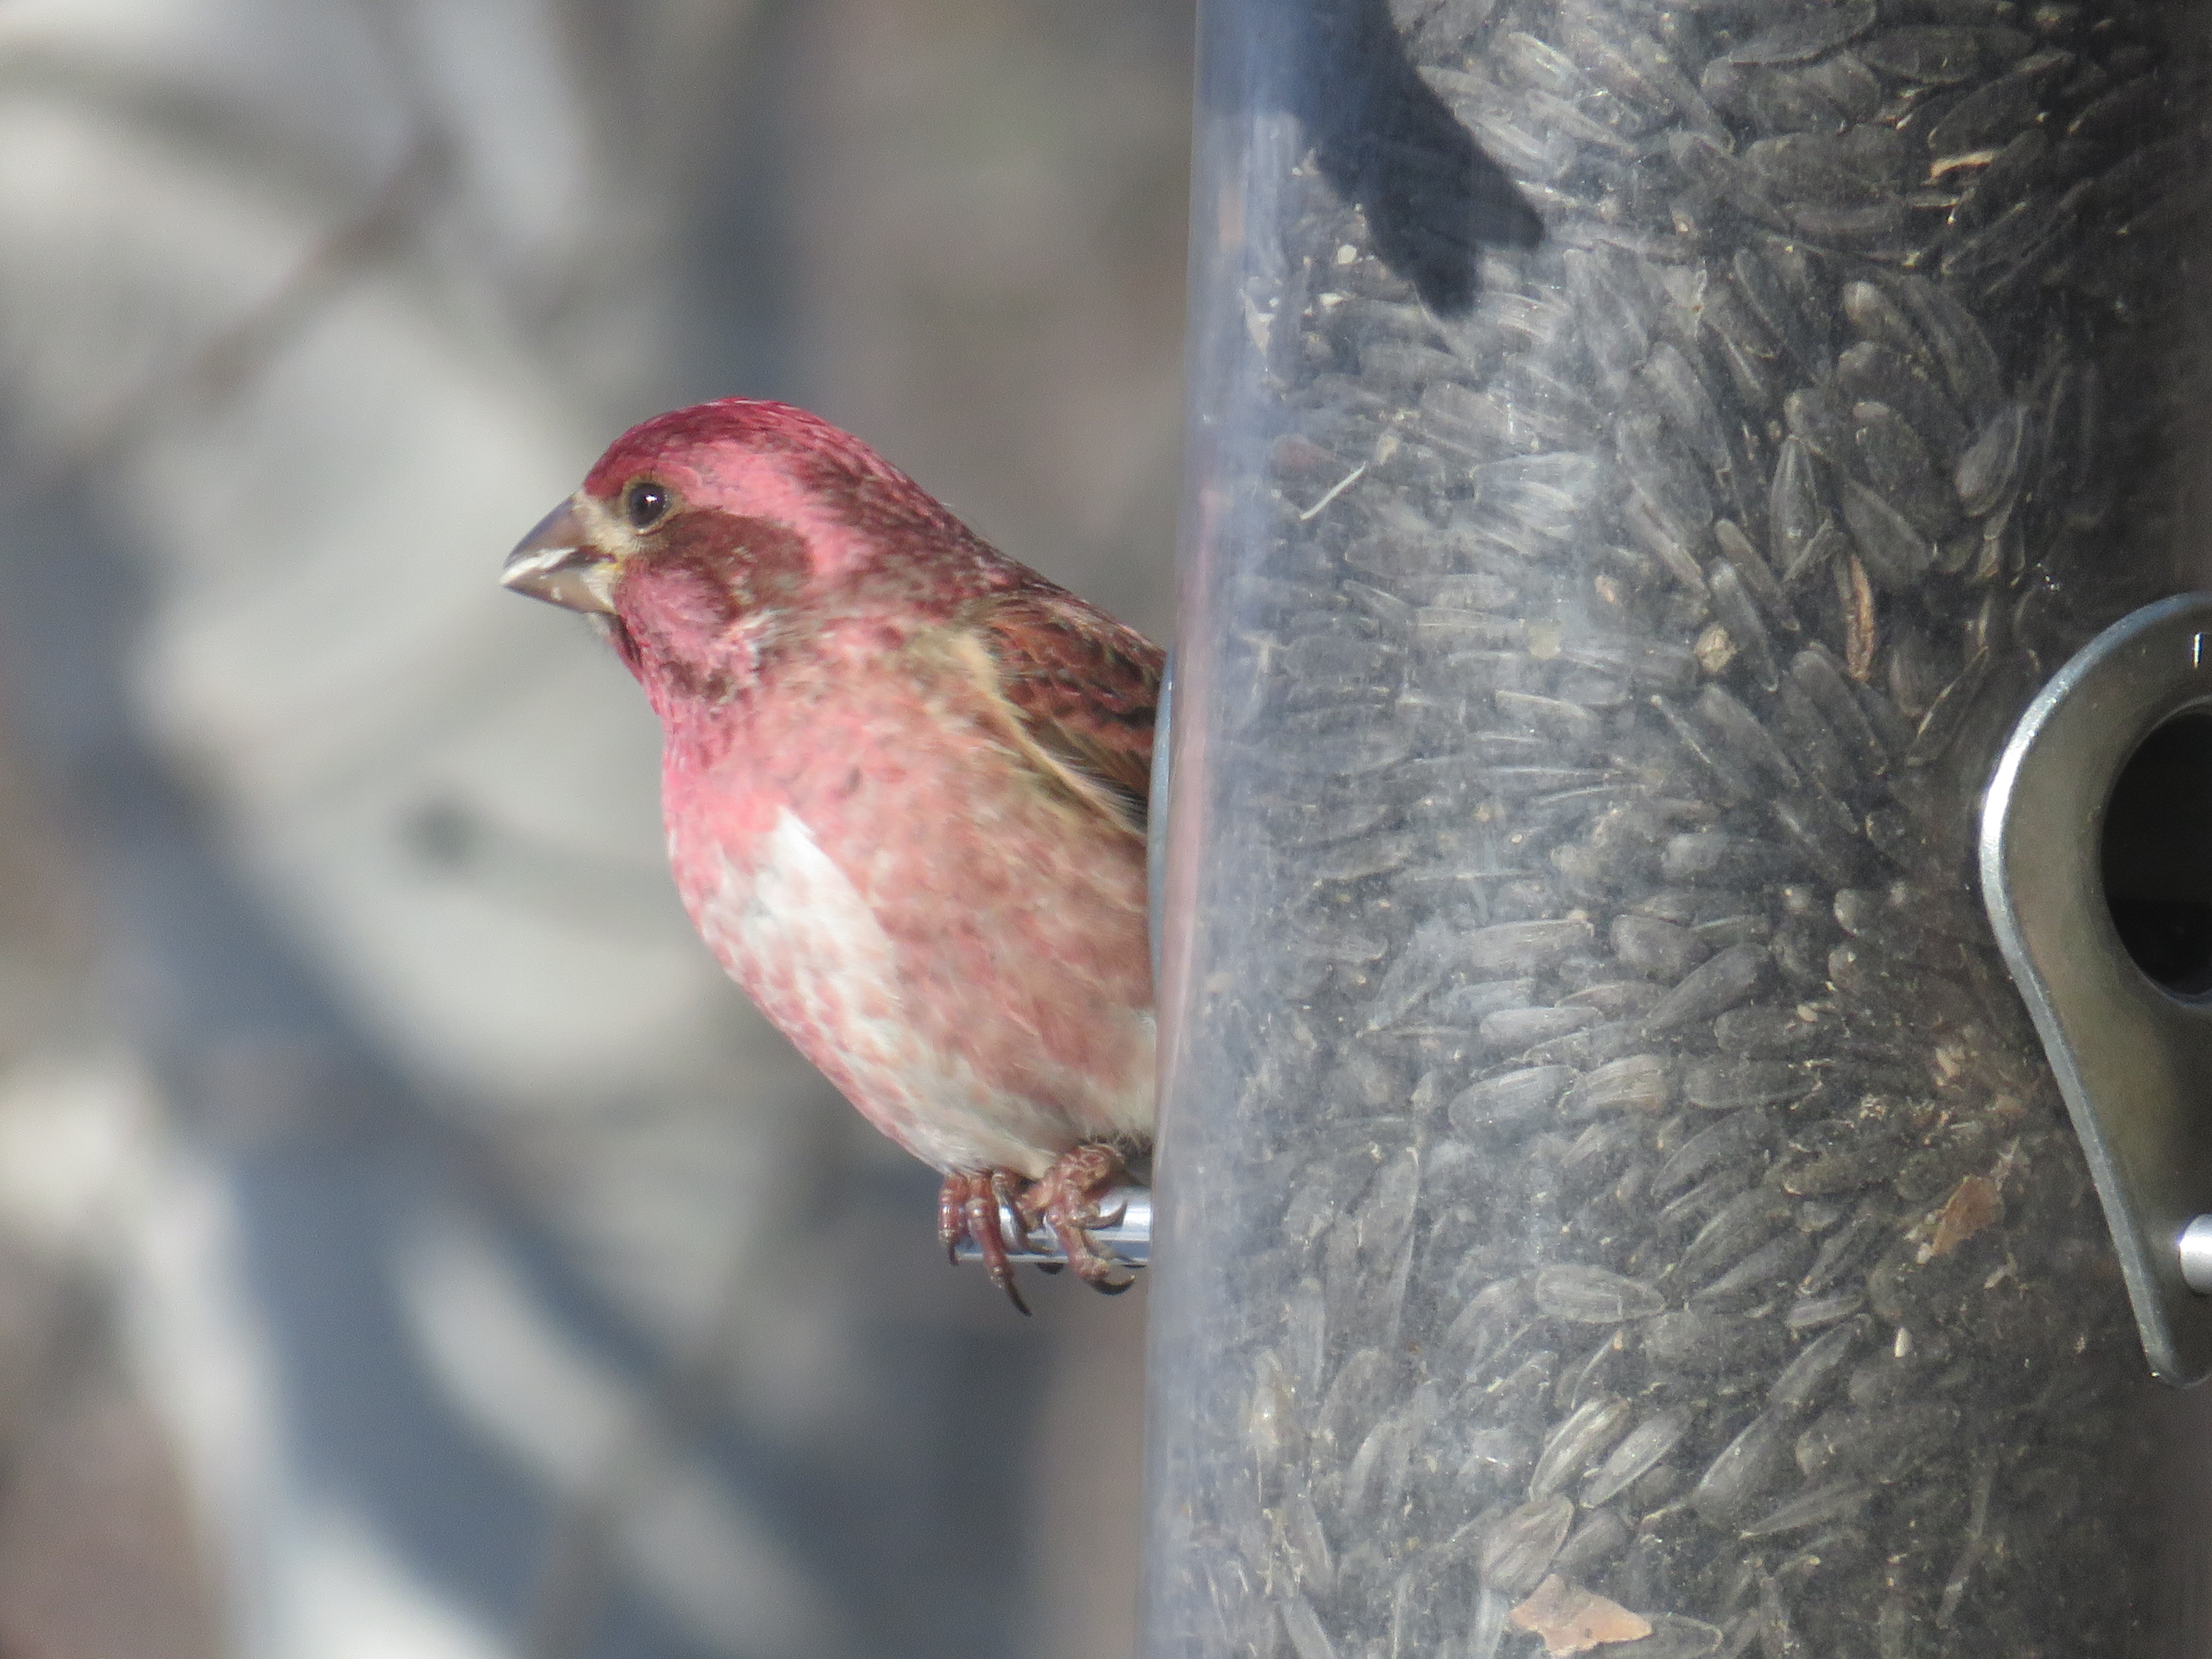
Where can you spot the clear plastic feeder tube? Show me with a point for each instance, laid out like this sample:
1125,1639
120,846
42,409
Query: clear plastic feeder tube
1644,458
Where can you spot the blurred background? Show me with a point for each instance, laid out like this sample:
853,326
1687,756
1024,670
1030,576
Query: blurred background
409,1244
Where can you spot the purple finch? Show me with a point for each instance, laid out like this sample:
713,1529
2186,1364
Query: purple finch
904,781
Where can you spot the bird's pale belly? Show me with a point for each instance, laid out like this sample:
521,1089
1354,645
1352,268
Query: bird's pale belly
806,945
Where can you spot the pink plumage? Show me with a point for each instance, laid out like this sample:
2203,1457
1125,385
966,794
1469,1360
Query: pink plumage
904,782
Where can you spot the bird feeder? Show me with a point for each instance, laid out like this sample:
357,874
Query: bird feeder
1685,939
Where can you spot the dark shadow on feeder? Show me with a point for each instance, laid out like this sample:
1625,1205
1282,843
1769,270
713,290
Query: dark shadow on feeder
1385,140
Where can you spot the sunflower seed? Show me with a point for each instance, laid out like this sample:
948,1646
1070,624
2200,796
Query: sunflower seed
1809,1313
1512,1098
1815,1507
1970,363
1869,372
1577,1443
1592,1295
1730,977
2010,177
1803,1380
1848,1247
1780,1258
1601,1537
1817,423
1747,743
1688,407
1769,294
1741,1225
1930,54
1772,99
1523,946
1901,469
1987,470
1755,574
1798,40
1516,1550
1658,948
1747,1469
1991,113
1645,1446
1717,1085
1633,1083
1880,1444
1845,80
1730,1139
1896,553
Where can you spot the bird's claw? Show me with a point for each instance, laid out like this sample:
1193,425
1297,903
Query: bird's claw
974,1205
1065,1199
997,1211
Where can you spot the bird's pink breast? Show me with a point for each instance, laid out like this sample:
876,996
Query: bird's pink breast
960,949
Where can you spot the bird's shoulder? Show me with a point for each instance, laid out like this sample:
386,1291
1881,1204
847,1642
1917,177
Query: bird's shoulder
1081,688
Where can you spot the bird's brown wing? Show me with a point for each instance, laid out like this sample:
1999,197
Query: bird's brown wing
1082,689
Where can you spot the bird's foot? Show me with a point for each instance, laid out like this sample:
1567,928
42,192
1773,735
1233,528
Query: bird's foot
974,1205
1065,1199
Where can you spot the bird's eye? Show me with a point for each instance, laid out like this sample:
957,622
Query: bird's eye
646,504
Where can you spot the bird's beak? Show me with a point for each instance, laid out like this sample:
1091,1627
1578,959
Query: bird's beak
557,563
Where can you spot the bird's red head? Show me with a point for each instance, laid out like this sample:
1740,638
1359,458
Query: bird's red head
699,530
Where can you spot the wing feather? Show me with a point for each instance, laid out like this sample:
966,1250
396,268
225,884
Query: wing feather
1083,688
